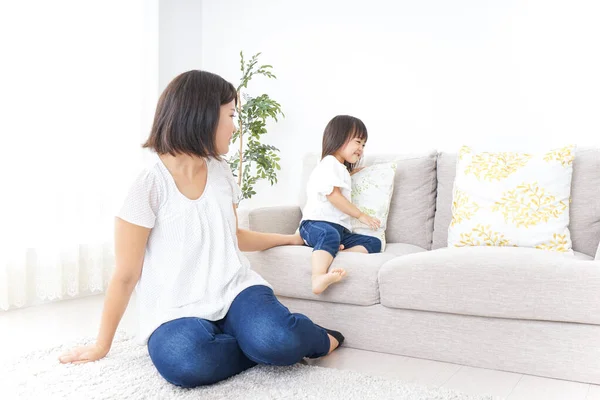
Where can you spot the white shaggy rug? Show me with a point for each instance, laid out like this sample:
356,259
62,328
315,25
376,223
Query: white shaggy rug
127,373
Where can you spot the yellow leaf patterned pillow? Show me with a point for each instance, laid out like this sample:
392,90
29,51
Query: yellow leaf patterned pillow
512,199
372,190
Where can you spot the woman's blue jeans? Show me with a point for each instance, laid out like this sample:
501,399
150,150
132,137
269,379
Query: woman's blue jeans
257,329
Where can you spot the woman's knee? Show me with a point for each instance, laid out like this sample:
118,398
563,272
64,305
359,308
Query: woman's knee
182,366
182,371
183,355
274,344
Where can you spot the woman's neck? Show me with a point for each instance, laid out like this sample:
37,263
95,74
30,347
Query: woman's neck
184,165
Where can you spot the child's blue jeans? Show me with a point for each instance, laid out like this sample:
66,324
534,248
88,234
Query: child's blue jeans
322,235
259,329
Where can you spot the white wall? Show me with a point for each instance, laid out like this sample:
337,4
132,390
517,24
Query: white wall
180,38
420,74
149,65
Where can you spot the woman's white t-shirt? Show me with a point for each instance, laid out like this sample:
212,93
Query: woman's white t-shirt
328,174
193,266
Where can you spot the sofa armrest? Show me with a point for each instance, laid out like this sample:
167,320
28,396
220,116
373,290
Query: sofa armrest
280,219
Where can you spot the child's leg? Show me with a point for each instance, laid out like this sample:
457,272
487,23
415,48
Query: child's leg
325,239
353,242
357,249
321,279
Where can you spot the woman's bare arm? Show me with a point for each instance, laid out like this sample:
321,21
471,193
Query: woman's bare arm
130,247
258,241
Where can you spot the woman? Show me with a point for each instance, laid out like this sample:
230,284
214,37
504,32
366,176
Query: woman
204,314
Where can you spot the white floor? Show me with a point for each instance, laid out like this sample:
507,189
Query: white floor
53,324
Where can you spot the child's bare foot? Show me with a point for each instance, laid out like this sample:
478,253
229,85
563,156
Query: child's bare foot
321,282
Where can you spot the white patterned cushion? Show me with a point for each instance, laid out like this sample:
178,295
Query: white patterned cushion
372,189
512,199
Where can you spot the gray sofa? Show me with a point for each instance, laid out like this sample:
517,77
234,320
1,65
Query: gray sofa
513,309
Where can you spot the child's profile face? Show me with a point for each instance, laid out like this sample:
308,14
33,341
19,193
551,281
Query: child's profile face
352,151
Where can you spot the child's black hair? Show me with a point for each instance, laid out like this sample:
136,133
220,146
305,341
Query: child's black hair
339,131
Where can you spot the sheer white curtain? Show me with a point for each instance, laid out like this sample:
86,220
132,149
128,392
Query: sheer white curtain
73,84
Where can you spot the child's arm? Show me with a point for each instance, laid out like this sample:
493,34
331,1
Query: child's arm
341,203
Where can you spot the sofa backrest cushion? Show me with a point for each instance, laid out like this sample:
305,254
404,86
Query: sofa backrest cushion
584,214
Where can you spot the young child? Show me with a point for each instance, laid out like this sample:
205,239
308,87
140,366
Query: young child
326,218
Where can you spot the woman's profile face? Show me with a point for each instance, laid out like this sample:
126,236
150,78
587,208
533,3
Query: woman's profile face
225,128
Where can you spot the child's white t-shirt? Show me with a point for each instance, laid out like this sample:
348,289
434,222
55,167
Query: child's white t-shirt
329,173
193,266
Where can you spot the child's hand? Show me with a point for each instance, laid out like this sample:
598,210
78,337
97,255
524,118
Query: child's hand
371,222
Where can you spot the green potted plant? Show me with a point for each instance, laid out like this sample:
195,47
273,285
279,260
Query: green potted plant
254,160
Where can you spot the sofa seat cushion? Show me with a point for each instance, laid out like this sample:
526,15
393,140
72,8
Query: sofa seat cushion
505,282
402,249
288,270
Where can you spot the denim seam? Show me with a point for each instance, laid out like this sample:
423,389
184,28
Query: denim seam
214,337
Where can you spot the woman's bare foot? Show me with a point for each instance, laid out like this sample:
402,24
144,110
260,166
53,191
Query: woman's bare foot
321,282
333,343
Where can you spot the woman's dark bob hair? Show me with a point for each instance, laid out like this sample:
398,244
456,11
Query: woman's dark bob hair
188,113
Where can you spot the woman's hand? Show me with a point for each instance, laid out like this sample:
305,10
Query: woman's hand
296,239
83,354
371,222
